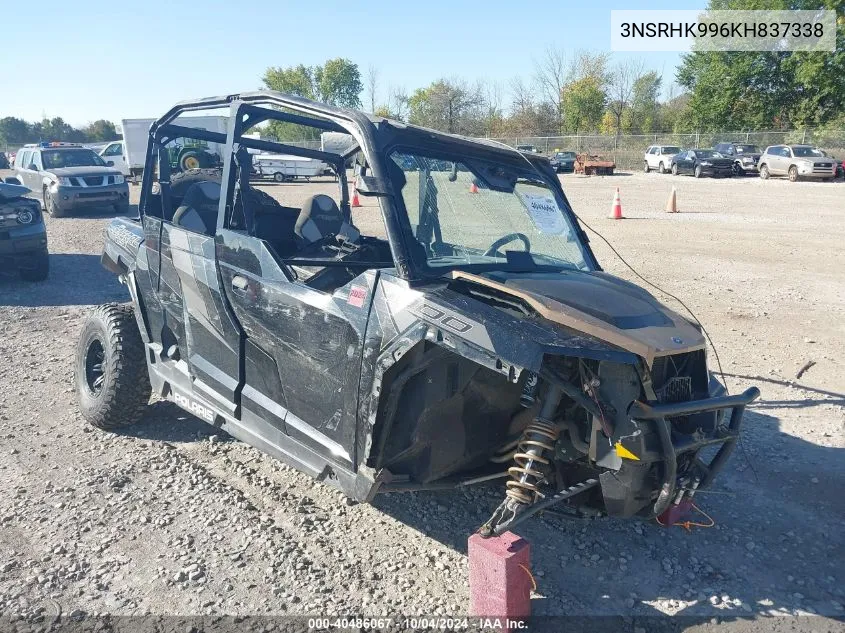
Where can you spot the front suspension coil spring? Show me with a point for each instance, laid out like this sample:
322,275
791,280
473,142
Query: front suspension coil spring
539,437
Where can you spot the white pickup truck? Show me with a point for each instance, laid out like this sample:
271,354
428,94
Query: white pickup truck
659,157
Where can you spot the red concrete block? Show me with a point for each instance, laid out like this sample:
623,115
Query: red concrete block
499,576
676,513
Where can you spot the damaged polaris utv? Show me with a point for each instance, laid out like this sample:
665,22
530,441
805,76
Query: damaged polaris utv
456,329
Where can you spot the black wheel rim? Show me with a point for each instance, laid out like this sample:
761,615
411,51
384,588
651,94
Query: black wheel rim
95,372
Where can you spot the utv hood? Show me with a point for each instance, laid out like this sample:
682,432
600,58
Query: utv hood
601,306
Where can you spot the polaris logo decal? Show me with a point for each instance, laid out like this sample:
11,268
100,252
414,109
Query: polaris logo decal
124,237
446,320
199,410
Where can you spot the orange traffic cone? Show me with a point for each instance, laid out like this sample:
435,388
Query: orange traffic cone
616,212
473,188
672,202
356,202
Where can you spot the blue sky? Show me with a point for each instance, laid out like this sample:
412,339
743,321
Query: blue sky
93,59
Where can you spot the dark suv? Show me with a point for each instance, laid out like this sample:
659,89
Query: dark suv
23,237
67,176
744,156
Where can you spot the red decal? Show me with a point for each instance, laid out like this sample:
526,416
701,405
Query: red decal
357,294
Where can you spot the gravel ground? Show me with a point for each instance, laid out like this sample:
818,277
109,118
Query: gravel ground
167,518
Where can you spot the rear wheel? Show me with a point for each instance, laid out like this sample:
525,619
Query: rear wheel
190,160
111,370
279,177
764,172
674,169
661,168
646,168
38,267
793,174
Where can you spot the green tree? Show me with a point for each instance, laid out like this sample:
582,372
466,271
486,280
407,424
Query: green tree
101,130
14,130
759,90
583,104
337,82
448,105
296,80
645,110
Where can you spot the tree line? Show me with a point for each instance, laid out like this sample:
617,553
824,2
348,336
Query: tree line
15,131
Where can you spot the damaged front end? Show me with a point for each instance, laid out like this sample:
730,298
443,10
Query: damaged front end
619,439
607,421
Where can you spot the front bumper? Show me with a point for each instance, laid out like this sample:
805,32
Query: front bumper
67,197
716,171
748,167
18,242
726,437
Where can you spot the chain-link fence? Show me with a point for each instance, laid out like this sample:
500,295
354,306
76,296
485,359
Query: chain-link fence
627,150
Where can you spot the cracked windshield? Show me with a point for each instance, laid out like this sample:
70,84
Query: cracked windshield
486,215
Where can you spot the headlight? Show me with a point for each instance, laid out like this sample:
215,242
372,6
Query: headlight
25,217
64,181
118,180
705,163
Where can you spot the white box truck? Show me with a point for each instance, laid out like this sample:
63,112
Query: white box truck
130,154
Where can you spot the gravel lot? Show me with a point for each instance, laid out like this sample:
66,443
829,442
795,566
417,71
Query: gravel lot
167,518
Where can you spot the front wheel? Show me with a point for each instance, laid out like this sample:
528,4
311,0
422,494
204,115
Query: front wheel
674,169
793,174
764,172
50,204
646,168
111,376
698,171
737,170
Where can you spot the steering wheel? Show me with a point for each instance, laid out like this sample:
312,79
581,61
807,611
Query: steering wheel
507,239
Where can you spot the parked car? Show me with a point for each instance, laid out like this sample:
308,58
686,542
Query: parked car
839,168
486,338
67,176
796,162
23,236
745,157
4,161
701,162
659,157
563,162
531,149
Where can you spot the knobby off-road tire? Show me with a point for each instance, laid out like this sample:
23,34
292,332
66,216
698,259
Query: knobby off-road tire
181,182
111,370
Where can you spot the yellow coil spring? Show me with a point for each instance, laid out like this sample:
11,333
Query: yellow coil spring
539,436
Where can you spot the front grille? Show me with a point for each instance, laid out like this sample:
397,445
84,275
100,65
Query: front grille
95,194
94,181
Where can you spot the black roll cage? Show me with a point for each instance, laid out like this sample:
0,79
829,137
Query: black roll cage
374,138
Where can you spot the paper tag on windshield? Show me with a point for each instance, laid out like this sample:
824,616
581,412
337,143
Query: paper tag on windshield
545,213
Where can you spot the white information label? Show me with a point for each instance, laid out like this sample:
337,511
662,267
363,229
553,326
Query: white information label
544,213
